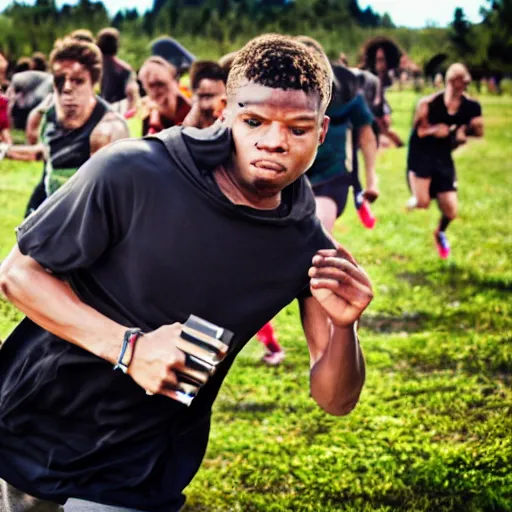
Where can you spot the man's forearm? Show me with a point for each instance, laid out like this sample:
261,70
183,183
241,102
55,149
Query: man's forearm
26,153
368,144
338,376
52,304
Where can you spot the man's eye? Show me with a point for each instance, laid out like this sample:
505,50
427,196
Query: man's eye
253,123
78,81
298,131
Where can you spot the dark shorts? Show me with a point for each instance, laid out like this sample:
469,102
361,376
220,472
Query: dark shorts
443,175
336,189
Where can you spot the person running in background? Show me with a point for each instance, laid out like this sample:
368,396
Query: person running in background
442,122
39,62
329,175
164,106
118,80
77,125
208,82
383,111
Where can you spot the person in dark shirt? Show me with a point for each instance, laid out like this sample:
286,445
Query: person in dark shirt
118,80
76,124
164,106
442,122
329,175
148,232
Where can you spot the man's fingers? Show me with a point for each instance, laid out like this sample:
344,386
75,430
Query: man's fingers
347,289
341,276
340,263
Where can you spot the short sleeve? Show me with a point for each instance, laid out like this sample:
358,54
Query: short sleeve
475,111
359,113
74,227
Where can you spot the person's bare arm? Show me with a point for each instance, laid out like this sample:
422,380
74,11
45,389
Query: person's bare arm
476,127
109,129
368,144
424,129
26,153
34,119
5,136
341,291
52,304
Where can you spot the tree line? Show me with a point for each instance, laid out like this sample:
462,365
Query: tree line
210,28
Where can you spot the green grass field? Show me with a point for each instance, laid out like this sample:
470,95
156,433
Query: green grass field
433,429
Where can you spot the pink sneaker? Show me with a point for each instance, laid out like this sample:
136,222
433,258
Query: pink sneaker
273,358
443,246
366,216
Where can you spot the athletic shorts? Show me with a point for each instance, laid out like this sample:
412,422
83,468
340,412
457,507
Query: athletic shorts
336,189
443,175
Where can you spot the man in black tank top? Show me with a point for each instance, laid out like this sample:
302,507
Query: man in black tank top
442,122
76,126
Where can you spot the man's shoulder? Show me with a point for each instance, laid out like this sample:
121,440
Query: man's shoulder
137,160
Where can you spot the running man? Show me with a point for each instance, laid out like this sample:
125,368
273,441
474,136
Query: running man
164,106
442,122
329,176
208,81
77,124
146,233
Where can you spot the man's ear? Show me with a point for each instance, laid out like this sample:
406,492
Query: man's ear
220,108
323,130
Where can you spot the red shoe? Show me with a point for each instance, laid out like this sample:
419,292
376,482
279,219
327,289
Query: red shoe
442,244
366,216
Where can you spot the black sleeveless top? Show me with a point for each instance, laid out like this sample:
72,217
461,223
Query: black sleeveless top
434,147
69,149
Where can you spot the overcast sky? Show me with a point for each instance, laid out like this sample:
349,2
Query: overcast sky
411,13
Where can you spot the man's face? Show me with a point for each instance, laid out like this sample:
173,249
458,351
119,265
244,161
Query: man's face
381,64
159,84
73,87
210,95
460,83
276,134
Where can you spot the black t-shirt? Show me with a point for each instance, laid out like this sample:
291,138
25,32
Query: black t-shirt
433,148
143,235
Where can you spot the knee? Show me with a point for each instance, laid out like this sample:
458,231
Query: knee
450,213
423,203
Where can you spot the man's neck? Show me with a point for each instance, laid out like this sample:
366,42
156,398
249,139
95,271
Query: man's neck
80,119
229,186
451,95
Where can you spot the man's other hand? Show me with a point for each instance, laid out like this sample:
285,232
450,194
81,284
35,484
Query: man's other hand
340,286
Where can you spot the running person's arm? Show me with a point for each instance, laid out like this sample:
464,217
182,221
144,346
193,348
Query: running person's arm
34,119
368,144
424,129
71,230
362,118
26,153
111,128
341,291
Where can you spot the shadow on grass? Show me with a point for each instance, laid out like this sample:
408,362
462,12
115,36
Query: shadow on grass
248,407
457,277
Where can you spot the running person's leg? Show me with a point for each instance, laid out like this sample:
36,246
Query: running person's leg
447,202
420,188
331,199
326,210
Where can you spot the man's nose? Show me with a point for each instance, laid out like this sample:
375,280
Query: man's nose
67,87
274,139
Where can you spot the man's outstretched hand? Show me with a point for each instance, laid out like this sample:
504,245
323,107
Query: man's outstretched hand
340,286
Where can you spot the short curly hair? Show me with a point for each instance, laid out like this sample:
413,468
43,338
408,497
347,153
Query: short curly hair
87,54
280,62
